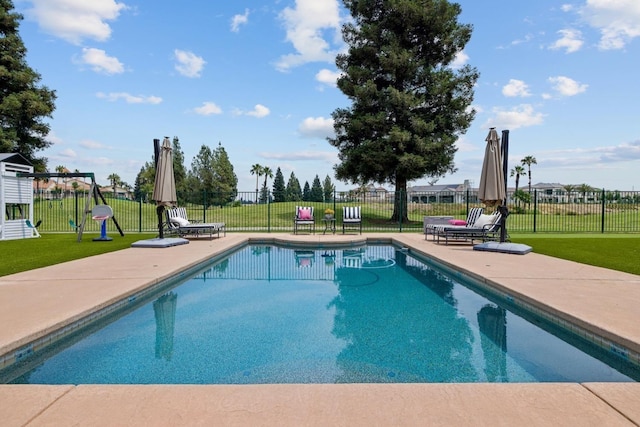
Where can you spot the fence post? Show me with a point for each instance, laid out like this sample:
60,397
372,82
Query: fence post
467,197
140,214
268,216
603,211
204,205
401,202
535,208
76,199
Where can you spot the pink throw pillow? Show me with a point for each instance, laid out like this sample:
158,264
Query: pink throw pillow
304,213
457,222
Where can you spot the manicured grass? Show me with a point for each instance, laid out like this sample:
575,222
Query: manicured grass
28,254
615,252
620,252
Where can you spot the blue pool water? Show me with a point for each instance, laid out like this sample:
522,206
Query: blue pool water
269,314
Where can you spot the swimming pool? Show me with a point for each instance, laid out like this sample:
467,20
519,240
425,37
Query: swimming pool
269,314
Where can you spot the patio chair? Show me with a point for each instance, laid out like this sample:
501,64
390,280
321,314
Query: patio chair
305,258
304,217
351,217
485,228
179,223
434,228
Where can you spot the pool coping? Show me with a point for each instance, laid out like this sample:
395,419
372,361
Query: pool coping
127,276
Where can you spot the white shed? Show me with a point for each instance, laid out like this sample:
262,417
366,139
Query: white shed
16,198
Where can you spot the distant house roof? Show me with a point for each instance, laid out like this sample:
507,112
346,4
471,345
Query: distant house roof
16,158
437,188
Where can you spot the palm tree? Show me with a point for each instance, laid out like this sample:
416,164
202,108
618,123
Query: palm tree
268,173
528,161
517,171
569,188
59,169
114,178
257,171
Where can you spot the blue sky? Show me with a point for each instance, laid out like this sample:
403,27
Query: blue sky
259,77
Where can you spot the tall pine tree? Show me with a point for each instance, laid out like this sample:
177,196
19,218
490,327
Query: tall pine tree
316,194
294,192
279,188
408,104
24,104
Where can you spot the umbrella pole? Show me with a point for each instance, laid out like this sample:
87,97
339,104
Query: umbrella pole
160,210
504,210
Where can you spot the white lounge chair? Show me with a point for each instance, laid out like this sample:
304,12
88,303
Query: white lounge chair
435,229
485,228
178,222
351,217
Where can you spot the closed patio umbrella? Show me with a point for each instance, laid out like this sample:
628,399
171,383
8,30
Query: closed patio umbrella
492,189
164,189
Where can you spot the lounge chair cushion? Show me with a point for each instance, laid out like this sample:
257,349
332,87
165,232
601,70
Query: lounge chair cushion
457,222
180,221
304,213
484,220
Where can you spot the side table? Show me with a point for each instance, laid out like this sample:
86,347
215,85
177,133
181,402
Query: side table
329,225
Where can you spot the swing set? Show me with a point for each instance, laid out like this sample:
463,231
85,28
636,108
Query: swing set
100,212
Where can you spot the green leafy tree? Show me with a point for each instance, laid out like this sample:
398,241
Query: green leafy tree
328,189
408,104
24,104
306,192
317,194
179,170
226,184
279,188
528,161
294,192
143,186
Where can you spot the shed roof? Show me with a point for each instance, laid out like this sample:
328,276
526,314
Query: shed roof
16,158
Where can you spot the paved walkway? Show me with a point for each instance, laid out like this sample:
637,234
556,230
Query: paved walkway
35,303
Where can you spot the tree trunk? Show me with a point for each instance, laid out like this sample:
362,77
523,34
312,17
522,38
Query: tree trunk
400,202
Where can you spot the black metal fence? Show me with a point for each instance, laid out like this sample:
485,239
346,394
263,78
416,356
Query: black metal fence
593,212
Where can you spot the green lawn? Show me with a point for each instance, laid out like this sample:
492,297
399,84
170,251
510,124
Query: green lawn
617,252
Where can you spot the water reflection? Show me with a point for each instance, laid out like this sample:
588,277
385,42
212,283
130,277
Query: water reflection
164,309
492,321
388,333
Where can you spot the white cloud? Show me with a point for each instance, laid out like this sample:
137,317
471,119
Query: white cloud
520,116
92,145
68,153
188,63
316,127
566,86
328,77
53,138
238,20
75,20
570,40
128,98
326,156
100,62
305,26
259,111
460,60
207,109
617,20
516,88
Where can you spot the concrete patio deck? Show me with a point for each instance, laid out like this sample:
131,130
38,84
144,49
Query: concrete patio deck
36,303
